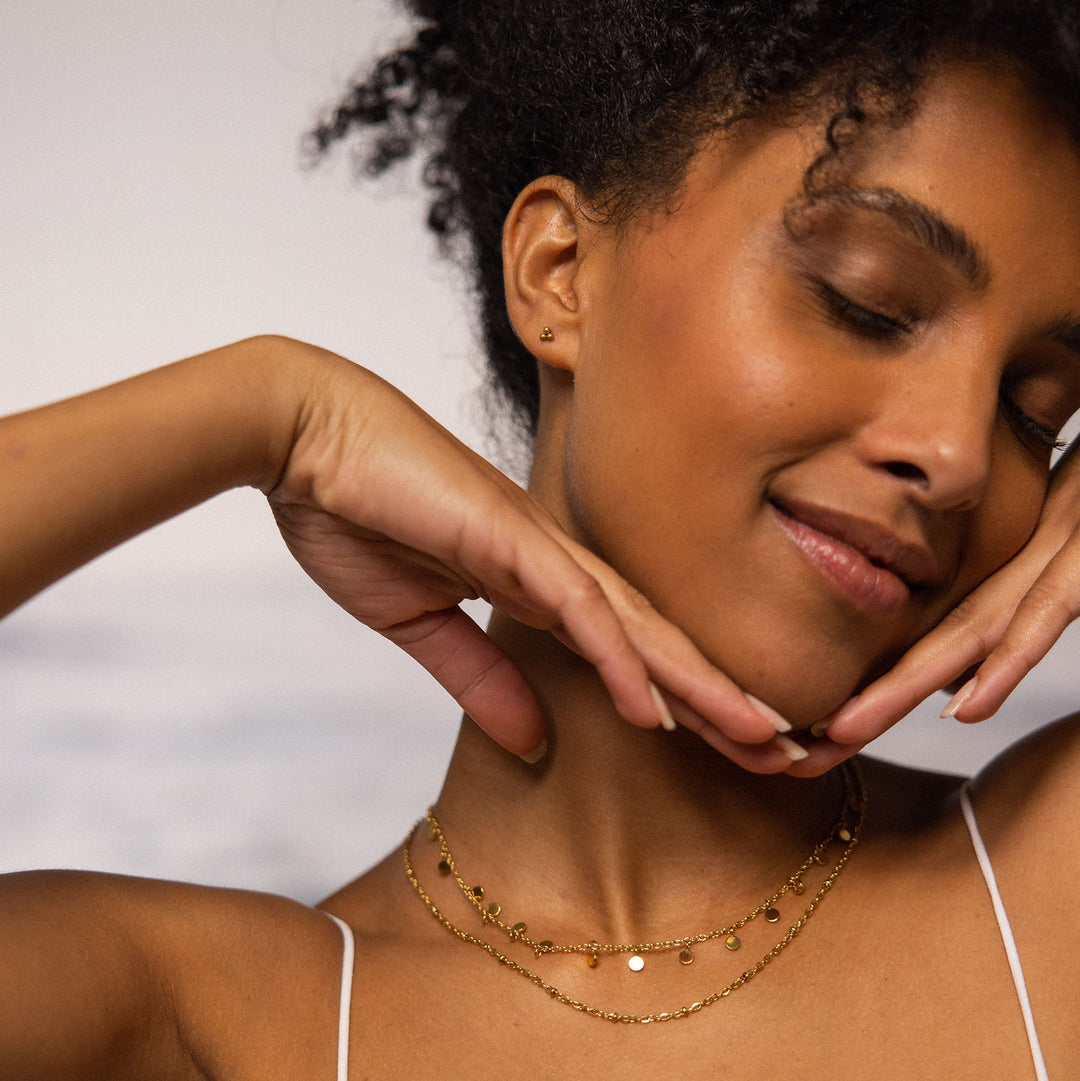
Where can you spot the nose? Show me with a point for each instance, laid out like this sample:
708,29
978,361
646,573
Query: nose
933,432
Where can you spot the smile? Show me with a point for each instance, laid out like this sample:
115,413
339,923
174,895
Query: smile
867,563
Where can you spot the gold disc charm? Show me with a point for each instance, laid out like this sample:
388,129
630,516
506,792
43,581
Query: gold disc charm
844,835
592,959
635,963
444,868
733,942
686,956
494,909
543,947
519,928
478,892
771,915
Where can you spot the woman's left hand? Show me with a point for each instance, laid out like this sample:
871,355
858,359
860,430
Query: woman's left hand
992,639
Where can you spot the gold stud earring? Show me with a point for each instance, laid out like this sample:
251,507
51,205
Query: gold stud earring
546,335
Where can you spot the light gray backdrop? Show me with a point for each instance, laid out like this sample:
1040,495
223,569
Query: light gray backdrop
190,705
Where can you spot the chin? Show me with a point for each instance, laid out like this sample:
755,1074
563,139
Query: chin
803,681
801,707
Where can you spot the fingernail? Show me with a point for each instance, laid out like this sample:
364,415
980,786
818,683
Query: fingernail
960,698
667,722
768,713
535,754
820,728
792,749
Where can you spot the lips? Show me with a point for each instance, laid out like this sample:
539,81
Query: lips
871,565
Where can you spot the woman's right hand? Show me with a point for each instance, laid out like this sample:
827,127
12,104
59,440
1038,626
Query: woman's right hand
395,518
398,522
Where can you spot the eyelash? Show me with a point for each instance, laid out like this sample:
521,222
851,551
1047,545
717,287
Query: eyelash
864,321
1028,426
883,328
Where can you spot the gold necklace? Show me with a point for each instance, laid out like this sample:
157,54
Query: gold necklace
845,830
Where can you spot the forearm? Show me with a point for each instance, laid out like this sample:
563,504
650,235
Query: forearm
83,475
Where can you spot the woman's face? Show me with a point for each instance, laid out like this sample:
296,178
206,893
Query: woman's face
806,435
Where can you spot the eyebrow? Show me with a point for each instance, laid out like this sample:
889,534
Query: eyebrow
946,240
926,226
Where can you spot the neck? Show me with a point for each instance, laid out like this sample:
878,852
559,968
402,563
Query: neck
634,833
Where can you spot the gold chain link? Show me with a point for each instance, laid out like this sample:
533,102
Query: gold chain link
666,945
856,801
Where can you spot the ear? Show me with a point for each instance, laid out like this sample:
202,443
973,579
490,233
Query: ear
543,243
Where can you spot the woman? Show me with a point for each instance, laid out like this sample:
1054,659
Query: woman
803,333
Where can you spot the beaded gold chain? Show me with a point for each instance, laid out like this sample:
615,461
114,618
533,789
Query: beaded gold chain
845,831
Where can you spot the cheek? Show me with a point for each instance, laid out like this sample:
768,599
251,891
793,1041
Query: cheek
699,356
1010,518
694,389
1004,521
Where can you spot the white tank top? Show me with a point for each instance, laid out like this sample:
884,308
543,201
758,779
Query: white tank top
345,1000
1006,933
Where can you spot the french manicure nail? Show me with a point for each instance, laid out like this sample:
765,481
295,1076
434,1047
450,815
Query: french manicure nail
768,713
792,749
960,698
535,754
667,722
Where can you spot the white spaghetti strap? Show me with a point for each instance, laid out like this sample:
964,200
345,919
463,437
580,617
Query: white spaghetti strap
1006,932
346,999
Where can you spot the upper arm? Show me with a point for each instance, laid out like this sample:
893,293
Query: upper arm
82,997
103,975
108,976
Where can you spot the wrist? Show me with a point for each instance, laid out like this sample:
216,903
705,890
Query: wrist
264,389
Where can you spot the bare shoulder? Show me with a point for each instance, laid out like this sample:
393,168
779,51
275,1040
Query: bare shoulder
1025,801
104,975
1028,796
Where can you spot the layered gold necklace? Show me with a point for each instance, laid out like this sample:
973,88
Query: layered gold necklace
833,851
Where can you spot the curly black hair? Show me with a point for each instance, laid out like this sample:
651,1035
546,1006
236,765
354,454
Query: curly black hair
617,95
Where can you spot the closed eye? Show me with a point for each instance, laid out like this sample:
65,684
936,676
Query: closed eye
863,321
1027,427
876,326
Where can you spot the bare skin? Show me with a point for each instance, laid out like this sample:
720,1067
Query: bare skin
699,385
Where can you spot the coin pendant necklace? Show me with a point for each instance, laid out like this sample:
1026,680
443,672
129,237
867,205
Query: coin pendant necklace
843,836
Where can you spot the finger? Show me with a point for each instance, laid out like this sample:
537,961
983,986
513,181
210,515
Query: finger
932,663
510,559
1033,591
767,757
960,641
476,672
572,604
822,755
538,583
675,663
1041,617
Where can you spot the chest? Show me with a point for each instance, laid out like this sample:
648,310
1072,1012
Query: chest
910,983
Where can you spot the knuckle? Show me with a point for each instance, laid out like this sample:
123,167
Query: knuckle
472,683
634,598
1048,605
971,632
583,591
962,616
